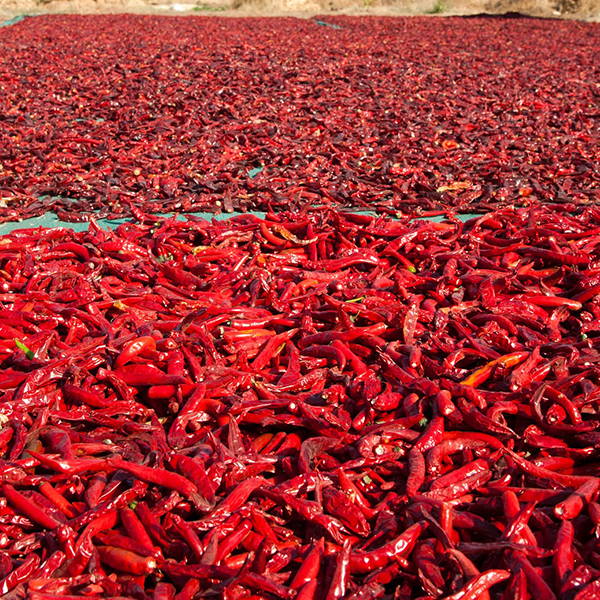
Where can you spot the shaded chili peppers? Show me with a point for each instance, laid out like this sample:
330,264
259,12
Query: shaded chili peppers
104,114
357,408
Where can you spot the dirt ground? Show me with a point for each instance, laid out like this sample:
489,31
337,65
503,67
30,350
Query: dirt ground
578,9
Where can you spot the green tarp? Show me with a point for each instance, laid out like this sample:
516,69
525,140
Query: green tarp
13,20
51,220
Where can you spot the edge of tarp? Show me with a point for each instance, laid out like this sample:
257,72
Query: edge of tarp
326,24
50,220
13,20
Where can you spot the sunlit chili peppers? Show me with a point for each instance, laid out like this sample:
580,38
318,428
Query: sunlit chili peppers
294,420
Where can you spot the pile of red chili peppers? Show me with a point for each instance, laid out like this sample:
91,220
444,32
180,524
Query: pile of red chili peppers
210,114
313,406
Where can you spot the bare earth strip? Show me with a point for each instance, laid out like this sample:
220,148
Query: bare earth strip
577,9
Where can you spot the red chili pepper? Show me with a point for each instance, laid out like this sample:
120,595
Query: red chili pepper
475,588
20,574
574,504
316,412
564,561
189,535
147,375
126,561
27,507
484,373
57,499
111,538
158,476
134,527
134,348
566,480
363,562
552,301
416,474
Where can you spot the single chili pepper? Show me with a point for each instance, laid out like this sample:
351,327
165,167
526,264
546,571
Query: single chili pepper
134,527
95,489
310,567
189,535
158,476
126,561
193,470
560,257
151,524
473,468
444,403
134,348
475,588
229,543
484,373
27,507
79,395
235,499
363,562
563,560
71,467
111,538
574,504
528,467
20,574
271,349
552,301
147,375
416,474
57,499
432,435
341,574
460,488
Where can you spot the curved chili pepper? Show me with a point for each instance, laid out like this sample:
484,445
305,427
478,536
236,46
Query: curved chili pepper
363,562
484,373
158,476
564,480
134,348
478,586
20,574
